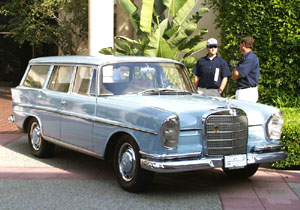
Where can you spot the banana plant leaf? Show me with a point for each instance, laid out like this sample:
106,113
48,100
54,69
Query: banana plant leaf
169,33
146,15
184,12
189,62
107,51
185,30
152,48
131,11
165,50
174,6
159,7
188,45
130,42
200,46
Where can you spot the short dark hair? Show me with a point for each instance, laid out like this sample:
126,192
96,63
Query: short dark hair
248,40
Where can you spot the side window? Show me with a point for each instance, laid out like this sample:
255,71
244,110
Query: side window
60,78
83,81
36,76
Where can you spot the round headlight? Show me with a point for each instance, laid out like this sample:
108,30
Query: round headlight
274,126
170,132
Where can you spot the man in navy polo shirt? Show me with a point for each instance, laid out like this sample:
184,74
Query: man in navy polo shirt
247,72
211,71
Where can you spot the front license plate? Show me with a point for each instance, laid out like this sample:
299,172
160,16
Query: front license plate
235,161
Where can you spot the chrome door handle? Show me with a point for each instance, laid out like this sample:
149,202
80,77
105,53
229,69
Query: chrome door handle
64,103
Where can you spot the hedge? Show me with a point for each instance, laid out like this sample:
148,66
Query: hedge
290,138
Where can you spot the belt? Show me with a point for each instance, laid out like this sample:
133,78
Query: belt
206,87
239,88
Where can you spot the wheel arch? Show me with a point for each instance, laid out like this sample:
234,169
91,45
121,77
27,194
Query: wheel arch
27,121
112,142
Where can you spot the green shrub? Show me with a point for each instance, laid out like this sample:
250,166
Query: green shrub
290,138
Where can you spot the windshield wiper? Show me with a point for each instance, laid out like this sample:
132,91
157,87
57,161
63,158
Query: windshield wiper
165,91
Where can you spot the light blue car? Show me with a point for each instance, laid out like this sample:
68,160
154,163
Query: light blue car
144,114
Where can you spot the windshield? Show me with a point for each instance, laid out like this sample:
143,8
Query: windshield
144,78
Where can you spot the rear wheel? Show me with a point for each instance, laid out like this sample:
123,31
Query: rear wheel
242,173
38,146
127,167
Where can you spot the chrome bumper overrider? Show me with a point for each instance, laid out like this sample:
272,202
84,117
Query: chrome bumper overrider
11,118
178,165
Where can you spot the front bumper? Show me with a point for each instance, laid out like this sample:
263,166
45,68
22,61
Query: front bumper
153,163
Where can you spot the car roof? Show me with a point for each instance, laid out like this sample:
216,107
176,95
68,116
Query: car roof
97,60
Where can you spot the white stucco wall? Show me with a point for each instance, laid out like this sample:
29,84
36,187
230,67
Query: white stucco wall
101,25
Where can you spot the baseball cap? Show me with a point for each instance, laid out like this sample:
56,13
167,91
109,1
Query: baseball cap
211,41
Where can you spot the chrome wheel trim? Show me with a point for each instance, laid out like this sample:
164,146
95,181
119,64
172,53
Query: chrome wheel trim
127,162
35,136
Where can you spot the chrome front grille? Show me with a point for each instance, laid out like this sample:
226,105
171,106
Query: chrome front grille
226,133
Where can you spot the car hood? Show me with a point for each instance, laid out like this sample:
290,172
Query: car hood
191,108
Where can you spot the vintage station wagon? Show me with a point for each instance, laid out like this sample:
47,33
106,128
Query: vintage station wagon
144,114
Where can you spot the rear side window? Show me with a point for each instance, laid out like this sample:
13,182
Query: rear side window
84,80
61,78
36,76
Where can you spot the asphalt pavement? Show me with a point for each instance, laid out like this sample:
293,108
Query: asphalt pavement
71,180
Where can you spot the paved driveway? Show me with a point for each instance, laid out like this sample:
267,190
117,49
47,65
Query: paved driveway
71,180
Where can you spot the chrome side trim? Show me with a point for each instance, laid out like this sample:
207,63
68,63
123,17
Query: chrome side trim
190,132
191,129
169,156
183,135
118,124
254,125
204,163
72,147
87,117
36,107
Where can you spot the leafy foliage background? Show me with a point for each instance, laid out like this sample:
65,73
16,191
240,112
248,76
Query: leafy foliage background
290,138
275,26
164,28
60,22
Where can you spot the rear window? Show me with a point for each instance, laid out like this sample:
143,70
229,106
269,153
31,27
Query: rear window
36,76
61,78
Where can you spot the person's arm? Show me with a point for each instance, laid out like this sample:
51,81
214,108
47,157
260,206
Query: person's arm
223,84
196,81
235,75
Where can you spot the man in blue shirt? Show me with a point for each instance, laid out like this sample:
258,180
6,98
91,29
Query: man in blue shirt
247,72
211,71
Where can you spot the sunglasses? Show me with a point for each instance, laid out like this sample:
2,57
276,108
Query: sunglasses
212,46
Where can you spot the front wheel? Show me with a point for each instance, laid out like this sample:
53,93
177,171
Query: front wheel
129,173
38,146
242,173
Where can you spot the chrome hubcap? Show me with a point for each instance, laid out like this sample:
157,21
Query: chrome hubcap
127,162
35,136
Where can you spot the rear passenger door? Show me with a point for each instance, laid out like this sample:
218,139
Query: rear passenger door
58,86
78,109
